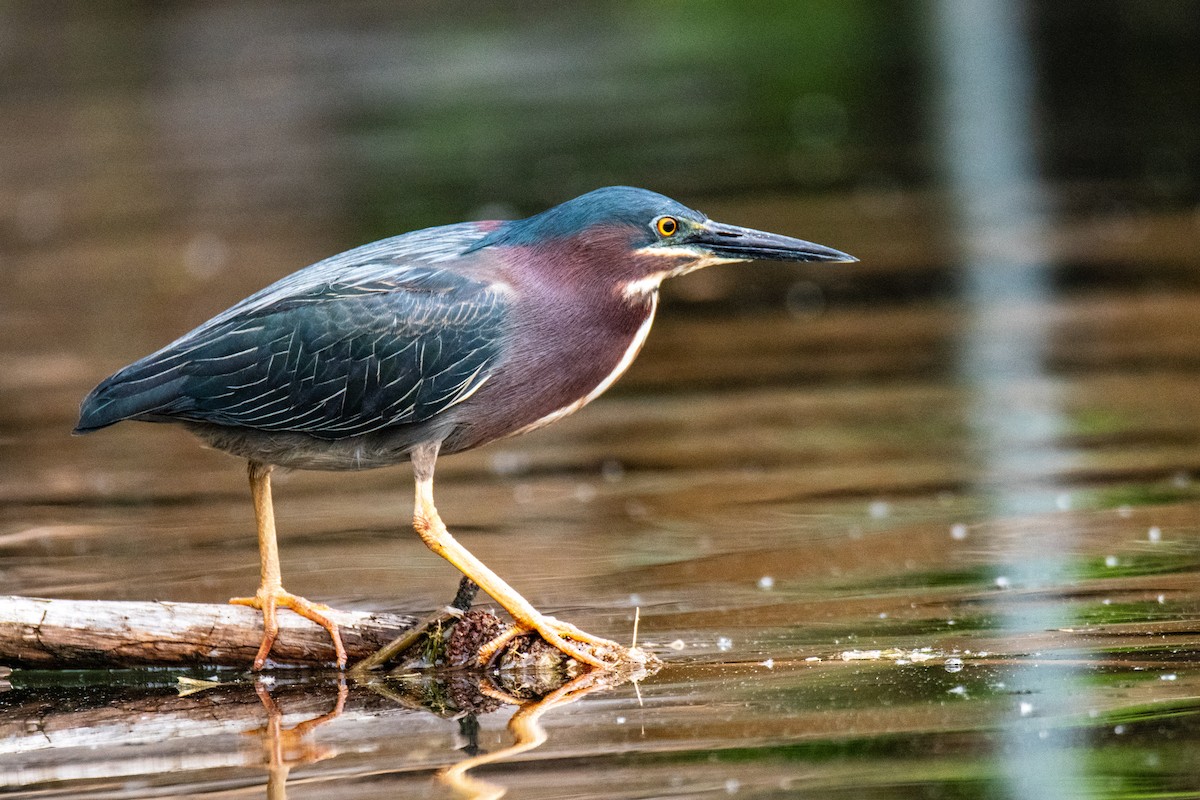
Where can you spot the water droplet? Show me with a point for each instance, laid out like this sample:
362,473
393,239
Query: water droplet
1063,502
508,462
1154,534
1170,676
769,663
958,531
879,509
1111,561
959,690
205,255
766,583
1025,708
954,665
677,644
724,643
1002,582
612,470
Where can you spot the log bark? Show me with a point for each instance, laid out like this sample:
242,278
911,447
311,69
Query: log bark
65,634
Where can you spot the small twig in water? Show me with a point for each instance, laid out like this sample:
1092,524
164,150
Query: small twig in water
461,603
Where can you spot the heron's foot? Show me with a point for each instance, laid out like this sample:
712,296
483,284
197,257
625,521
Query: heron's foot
579,645
268,598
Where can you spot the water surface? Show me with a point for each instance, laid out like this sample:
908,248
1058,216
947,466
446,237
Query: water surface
873,565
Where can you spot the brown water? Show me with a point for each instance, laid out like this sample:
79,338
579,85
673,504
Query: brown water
870,571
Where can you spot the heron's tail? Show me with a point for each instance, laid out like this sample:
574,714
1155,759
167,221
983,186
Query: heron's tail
139,391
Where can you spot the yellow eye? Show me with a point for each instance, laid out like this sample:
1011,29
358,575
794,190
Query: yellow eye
666,226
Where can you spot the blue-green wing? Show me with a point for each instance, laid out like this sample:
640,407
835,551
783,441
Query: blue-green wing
372,347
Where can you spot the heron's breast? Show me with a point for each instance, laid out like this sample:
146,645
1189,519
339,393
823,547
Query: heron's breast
561,353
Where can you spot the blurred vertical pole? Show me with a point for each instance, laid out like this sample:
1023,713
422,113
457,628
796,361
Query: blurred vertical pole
988,129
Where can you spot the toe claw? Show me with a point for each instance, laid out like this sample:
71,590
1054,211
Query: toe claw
268,598
560,635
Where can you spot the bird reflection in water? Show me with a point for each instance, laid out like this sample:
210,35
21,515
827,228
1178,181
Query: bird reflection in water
526,729
284,748
457,695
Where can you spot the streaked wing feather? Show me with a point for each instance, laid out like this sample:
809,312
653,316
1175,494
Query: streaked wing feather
344,361
374,337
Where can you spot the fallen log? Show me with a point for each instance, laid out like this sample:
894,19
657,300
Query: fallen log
44,633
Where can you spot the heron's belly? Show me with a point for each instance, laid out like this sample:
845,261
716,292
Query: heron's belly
301,451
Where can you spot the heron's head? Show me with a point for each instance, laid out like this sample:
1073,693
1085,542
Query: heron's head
635,239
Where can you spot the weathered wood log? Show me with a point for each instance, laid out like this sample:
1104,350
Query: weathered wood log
74,634
63,634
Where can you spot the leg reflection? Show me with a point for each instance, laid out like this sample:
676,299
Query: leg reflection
284,748
526,730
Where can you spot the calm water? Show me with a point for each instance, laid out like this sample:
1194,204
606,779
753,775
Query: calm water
923,526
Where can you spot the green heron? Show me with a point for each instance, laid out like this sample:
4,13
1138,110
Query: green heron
428,343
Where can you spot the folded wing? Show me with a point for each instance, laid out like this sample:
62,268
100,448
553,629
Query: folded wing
346,347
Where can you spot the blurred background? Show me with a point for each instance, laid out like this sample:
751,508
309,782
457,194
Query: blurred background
981,440
199,149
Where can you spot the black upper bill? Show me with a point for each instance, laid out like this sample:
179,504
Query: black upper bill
731,241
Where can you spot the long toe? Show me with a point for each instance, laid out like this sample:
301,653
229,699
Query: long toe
569,631
267,599
583,647
264,601
588,649
315,612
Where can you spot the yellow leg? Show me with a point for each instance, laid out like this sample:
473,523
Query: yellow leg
270,592
432,530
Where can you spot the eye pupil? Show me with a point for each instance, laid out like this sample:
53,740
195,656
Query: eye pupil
667,226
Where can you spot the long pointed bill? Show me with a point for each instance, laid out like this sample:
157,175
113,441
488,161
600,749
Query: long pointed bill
732,242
